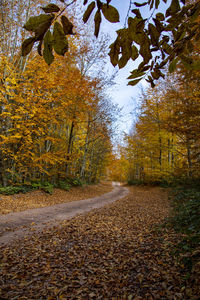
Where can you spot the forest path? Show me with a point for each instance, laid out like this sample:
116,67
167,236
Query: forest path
20,224
118,251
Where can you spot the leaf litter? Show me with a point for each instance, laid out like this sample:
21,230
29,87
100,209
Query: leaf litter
115,252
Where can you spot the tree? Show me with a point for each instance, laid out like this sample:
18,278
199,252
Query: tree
158,40
164,142
52,122
184,120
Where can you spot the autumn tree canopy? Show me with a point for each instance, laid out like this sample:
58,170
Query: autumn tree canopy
163,145
55,121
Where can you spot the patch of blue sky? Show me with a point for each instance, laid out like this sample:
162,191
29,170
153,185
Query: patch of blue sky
122,94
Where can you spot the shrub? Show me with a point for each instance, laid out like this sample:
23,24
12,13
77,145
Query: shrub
26,188
10,190
73,181
186,210
152,182
47,187
64,185
36,185
135,182
77,182
185,219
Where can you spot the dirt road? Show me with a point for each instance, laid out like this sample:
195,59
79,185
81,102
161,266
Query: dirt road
21,224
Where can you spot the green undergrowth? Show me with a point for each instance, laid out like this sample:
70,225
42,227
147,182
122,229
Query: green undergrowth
45,186
171,182
185,219
150,182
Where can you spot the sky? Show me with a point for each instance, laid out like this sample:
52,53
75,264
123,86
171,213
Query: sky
125,96
122,94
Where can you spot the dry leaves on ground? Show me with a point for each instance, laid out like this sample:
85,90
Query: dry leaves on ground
111,253
35,199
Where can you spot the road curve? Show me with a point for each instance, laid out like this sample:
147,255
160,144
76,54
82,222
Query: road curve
20,224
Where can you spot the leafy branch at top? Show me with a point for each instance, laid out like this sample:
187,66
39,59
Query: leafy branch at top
166,39
48,41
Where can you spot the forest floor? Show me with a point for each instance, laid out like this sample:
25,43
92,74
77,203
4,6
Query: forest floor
118,251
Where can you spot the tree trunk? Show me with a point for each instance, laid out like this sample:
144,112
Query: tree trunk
69,147
82,173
